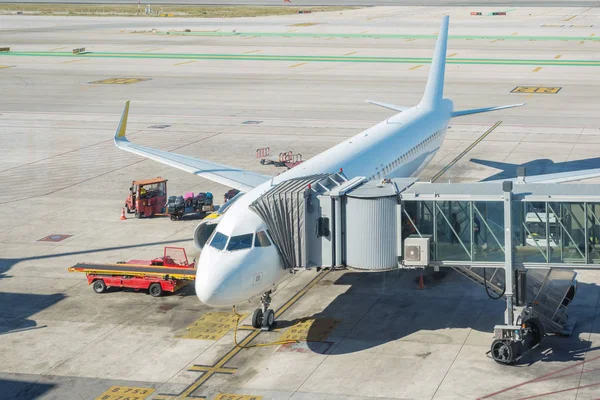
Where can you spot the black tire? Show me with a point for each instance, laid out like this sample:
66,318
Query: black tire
138,215
535,332
127,209
269,318
173,217
99,286
257,318
502,352
155,290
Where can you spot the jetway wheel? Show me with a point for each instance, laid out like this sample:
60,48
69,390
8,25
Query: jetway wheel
535,332
503,351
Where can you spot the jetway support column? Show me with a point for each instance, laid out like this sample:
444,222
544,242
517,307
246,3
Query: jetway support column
509,272
337,230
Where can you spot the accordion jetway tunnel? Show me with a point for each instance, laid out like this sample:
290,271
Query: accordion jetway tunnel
521,242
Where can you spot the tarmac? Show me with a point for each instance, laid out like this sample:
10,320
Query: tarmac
219,92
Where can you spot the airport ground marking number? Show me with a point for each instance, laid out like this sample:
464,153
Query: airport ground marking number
125,393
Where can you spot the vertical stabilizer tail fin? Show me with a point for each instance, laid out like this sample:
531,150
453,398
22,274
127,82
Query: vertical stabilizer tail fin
434,90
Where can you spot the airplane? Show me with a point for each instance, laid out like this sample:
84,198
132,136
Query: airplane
239,259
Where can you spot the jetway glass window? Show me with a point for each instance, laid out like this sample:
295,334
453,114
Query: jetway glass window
417,219
488,231
566,224
454,229
531,235
593,231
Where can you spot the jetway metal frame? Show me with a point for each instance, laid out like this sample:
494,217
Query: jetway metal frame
531,235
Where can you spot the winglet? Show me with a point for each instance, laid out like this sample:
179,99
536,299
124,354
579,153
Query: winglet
121,129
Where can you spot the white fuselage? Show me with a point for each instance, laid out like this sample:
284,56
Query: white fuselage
233,266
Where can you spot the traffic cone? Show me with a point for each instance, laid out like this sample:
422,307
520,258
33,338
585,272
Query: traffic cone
421,282
123,217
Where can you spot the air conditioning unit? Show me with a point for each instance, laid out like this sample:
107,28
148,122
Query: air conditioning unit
416,251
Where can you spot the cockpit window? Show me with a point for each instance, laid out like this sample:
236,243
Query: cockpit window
219,241
261,240
240,242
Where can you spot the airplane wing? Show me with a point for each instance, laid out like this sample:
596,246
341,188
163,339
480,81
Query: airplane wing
228,176
388,105
559,177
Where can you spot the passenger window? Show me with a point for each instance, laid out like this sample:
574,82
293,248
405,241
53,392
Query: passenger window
240,242
219,241
261,240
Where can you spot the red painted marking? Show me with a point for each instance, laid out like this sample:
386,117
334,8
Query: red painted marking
539,378
559,391
563,376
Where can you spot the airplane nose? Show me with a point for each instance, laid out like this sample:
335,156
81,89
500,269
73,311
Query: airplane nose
215,281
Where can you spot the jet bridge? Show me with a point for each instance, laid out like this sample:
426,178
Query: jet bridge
520,241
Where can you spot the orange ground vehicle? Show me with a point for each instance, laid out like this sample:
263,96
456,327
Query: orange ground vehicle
147,198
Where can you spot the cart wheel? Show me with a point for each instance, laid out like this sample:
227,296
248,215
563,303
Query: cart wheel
155,290
99,286
127,209
257,318
138,215
173,218
502,351
536,332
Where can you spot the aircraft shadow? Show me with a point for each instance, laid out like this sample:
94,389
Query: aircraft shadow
23,389
18,307
382,307
536,167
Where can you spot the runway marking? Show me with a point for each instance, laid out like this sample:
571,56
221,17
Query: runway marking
464,152
305,24
306,58
537,69
496,40
374,35
125,392
310,330
352,52
185,62
329,38
211,326
570,18
452,55
119,81
248,37
592,35
552,26
74,61
544,377
557,57
251,51
209,370
410,40
4,66
297,65
415,67
159,48
536,89
515,34
292,30
58,48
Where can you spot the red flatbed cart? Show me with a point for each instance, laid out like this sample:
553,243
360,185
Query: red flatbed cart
163,274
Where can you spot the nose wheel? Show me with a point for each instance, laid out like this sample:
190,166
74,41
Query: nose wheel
263,317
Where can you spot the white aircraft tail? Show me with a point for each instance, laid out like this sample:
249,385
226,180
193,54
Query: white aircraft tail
434,90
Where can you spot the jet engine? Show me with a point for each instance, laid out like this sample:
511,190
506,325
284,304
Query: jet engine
204,230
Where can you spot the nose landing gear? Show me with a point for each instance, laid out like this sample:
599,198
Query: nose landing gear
263,317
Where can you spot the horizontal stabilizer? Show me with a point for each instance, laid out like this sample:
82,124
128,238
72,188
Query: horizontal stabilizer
482,110
388,105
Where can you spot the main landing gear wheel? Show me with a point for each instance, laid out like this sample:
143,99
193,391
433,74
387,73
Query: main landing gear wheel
263,317
99,286
502,351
